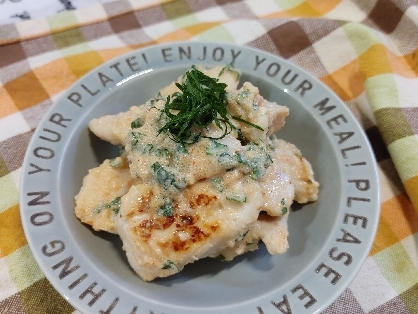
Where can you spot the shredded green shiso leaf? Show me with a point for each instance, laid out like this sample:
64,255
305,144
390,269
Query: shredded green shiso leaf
201,101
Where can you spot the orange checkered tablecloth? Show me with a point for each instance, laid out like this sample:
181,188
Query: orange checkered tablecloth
365,51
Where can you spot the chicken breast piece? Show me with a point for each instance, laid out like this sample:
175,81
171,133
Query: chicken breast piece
291,161
247,104
204,159
289,177
98,201
277,189
114,128
225,74
272,231
162,234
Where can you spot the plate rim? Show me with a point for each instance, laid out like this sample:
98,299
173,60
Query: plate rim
25,167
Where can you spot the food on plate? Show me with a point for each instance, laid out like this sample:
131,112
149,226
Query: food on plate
201,174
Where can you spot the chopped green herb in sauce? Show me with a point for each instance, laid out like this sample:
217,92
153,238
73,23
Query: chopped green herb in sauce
226,160
146,149
242,96
255,106
217,183
167,179
135,138
236,198
255,160
136,123
214,148
241,237
220,151
162,152
121,149
220,257
115,162
284,207
113,205
181,149
169,264
230,68
166,209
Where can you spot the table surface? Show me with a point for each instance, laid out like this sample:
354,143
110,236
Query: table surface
365,51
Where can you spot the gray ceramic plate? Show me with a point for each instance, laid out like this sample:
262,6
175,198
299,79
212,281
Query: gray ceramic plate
329,239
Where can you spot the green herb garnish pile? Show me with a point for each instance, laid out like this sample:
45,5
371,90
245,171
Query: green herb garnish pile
202,100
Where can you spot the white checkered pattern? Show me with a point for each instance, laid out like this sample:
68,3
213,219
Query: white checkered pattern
370,279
